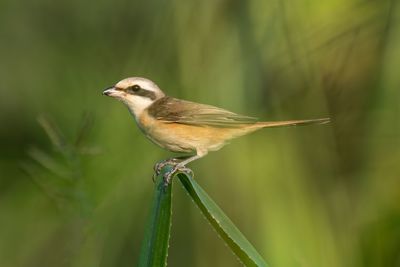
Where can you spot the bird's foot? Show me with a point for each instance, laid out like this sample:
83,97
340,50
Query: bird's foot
176,169
159,165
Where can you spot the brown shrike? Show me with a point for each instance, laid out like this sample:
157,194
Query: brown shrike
184,126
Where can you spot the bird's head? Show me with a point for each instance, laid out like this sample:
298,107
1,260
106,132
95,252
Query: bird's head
136,93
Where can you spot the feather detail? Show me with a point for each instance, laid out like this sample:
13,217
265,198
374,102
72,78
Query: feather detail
291,123
168,109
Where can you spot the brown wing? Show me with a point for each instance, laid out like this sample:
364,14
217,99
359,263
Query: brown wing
174,110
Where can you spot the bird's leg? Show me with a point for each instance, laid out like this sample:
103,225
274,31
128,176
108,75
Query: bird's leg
161,164
181,166
171,161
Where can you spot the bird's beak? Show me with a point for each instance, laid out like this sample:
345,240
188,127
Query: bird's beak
110,91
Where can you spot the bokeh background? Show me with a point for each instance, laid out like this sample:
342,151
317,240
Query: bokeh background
75,171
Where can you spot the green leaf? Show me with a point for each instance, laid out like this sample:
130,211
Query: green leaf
54,134
154,248
222,224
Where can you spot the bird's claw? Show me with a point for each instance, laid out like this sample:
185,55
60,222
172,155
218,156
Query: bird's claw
159,165
176,169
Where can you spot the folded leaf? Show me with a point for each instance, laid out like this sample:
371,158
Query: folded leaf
222,224
154,248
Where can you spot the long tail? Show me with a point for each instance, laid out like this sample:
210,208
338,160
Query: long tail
291,123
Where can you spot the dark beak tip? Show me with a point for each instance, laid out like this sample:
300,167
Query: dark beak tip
106,91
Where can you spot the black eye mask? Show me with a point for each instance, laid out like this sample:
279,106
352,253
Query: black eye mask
137,90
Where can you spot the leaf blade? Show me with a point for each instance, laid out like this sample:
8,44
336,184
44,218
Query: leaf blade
154,247
236,241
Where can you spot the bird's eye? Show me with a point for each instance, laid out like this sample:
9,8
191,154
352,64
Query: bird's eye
133,88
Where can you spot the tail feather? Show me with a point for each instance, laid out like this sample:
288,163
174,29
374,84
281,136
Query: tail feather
292,123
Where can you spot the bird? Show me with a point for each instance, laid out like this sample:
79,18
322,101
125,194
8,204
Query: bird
183,126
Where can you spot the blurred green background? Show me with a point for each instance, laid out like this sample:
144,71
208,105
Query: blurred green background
75,171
